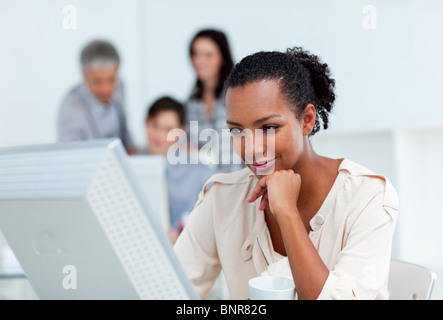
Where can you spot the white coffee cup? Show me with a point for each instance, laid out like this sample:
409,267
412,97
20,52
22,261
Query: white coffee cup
271,288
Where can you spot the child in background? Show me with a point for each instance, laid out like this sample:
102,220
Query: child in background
184,181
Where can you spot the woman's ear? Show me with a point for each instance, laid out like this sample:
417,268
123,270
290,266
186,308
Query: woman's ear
309,117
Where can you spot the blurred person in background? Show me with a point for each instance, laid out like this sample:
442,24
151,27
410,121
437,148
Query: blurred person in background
94,109
212,61
184,181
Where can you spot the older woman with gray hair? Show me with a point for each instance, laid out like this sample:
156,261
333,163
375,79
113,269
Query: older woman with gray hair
94,109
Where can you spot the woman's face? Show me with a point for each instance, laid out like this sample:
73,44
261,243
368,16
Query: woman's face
260,107
206,59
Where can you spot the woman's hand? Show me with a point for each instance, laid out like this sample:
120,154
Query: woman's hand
279,190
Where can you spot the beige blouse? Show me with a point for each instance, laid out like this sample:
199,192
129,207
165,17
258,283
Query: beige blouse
352,233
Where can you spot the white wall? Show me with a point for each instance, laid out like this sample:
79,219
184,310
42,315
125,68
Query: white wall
385,77
420,187
39,60
388,78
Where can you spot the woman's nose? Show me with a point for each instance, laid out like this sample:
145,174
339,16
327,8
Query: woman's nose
255,146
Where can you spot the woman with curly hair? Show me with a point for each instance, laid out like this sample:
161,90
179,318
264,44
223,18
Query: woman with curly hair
326,223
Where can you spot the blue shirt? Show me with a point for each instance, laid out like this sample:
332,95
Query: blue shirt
184,181
106,116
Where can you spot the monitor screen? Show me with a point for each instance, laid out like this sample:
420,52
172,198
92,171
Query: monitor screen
80,225
150,171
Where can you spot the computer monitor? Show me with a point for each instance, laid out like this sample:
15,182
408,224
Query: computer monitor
81,227
150,171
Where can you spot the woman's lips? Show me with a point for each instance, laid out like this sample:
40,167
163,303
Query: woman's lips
261,165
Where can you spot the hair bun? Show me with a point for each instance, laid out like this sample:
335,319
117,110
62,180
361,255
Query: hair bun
321,81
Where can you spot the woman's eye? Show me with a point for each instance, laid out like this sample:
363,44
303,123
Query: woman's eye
267,128
235,131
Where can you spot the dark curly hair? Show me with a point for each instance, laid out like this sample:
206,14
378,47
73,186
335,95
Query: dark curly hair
302,77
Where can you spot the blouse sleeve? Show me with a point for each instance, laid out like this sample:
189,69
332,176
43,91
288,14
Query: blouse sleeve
362,267
196,247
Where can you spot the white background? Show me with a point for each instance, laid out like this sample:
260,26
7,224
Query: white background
388,114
